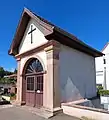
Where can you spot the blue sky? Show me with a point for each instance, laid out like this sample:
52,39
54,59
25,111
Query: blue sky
86,19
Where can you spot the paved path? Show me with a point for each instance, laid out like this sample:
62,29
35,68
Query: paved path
13,113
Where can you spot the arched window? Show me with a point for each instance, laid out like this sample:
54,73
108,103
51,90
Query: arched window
34,66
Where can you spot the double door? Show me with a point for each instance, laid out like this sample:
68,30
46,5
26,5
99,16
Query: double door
34,90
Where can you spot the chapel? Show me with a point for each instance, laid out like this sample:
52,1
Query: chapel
54,66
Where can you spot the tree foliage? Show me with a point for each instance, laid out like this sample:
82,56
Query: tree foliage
7,81
15,71
4,73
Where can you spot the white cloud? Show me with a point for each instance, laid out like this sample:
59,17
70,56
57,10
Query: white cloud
10,69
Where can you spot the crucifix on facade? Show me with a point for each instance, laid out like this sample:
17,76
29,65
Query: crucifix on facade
31,31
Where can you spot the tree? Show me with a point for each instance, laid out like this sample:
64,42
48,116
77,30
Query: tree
6,73
15,71
2,72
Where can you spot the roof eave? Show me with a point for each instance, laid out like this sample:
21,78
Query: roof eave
73,42
23,21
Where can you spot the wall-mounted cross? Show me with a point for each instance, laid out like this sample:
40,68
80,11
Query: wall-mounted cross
31,33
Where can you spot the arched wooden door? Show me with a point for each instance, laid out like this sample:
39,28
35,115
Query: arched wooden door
34,83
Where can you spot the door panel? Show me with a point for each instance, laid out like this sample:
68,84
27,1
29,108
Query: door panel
30,98
30,80
39,91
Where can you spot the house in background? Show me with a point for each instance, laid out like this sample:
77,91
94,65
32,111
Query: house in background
53,65
10,83
102,68
12,76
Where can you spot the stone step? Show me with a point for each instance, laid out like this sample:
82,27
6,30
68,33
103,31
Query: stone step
38,111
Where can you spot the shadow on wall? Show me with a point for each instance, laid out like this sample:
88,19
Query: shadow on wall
70,92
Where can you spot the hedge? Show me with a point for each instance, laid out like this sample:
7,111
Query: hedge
103,92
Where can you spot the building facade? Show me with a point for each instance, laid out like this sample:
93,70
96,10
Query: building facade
53,65
102,68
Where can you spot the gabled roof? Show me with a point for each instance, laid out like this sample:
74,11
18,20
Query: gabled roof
52,32
105,46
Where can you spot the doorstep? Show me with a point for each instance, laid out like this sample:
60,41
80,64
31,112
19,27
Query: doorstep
40,111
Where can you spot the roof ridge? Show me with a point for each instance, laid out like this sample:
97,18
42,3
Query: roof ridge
59,28
105,46
54,30
48,22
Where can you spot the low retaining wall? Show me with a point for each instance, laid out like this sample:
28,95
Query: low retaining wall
7,98
79,111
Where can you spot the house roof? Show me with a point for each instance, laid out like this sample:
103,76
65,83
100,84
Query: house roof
105,46
13,75
53,32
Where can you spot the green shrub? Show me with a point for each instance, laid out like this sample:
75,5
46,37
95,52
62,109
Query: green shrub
12,94
99,90
103,92
99,87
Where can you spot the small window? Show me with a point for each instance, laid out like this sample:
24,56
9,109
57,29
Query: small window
104,60
39,83
30,83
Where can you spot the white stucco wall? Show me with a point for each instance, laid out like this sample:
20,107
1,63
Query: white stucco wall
38,38
26,45
107,70
77,75
106,52
99,70
100,76
106,49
